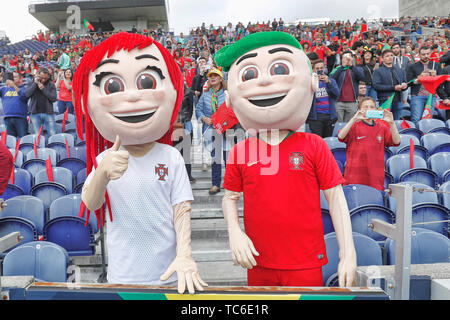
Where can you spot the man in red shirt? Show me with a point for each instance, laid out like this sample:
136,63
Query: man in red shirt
366,139
279,171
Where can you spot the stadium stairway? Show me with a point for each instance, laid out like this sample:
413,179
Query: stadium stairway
210,246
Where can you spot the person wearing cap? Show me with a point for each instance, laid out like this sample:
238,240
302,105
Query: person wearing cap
334,48
280,171
208,103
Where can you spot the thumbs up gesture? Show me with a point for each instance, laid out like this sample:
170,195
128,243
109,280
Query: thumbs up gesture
115,162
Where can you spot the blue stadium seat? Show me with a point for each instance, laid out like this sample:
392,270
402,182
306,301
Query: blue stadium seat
340,154
398,123
426,247
388,179
34,166
19,158
79,181
427,125
44,260
327,222
423,214
70,206
26,207
419,197
399,167
419,150
10,141
405,142
368,253
75,165
413,132
338,126
323,201
436,142
70,118
362,216
447,123
31,139
25,227
61,176
360,195
387,154
440,163
57,142
333,142
12,191
445,197
44,154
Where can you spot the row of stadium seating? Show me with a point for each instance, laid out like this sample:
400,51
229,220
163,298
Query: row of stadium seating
32,45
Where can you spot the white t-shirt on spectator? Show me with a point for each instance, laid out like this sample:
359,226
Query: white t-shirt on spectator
141,239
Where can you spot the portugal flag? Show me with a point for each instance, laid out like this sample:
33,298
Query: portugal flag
87,25
427,113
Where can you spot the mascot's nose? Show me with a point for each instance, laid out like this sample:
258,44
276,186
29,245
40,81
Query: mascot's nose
133,96
265,81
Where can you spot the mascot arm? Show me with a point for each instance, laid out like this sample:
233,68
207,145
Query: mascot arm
343,228
183,264
242,249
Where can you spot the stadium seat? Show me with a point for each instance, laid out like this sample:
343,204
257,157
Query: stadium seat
413,132
43,260
419,196
388,179
75,165
323,201
425,213
31,139
10,141
340,154
368,253
19,158
338,126
419,150
12,191
61,176
428,125
359,195
25,227
327,222
387,154
79,181
42,153
440,163
445,196
362,216
404,142
26,207
426,247
34,166
398,123
57,142
436,142
333,142
399,167
70,206
70,118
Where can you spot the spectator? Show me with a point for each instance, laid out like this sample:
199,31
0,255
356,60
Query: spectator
347,77
208,104
200,78
444,92
321,50
419,94
42,94
15,107
389,79
64,84
401,61
366,140
331,59
369,65
323,116
362,90
63,60
6,166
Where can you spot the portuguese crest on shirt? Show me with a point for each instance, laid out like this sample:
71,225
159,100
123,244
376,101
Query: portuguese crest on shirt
379,138
296,161
162,171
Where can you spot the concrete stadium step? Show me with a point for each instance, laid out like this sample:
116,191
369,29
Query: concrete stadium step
201,212
210,228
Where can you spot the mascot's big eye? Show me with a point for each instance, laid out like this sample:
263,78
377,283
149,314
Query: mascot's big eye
148,79
280,68
249,73
112,84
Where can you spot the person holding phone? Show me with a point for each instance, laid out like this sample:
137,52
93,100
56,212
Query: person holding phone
366,139
64,84
323,115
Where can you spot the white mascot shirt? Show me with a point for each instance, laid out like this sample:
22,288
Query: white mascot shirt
141,240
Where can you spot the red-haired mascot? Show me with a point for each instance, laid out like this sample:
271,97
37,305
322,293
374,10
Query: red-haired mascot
128,90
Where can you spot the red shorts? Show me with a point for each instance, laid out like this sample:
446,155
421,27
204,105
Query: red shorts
259,276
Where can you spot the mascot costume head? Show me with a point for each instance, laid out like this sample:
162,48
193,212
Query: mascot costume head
128,85
270,82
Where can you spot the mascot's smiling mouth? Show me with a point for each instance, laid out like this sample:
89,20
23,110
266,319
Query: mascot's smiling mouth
267,100
135,117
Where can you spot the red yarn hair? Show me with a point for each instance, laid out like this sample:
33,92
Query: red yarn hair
95,142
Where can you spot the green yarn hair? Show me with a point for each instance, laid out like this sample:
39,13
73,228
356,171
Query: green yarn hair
226,56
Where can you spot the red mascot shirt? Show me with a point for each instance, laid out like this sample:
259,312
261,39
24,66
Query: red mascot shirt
282,214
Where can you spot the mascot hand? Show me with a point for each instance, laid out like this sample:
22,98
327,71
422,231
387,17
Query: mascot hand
242,249
187,274
115,162
347,271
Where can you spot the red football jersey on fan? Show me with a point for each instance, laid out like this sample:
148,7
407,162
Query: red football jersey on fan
365,153
282,214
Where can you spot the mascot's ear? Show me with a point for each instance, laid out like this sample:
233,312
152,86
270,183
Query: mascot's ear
314,82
